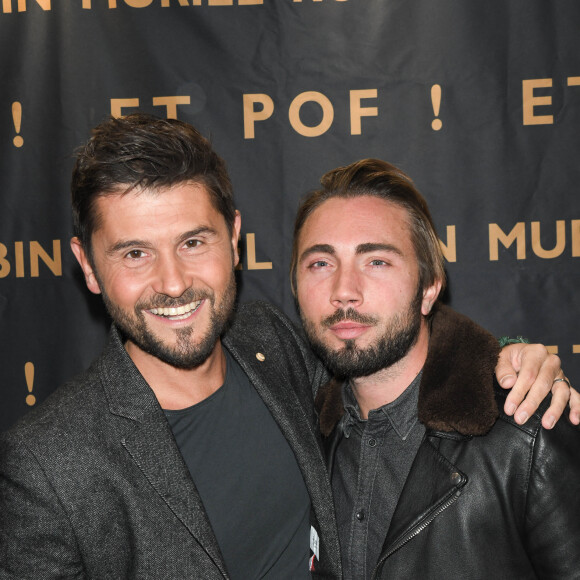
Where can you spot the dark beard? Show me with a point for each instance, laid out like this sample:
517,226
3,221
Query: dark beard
351,362
183,355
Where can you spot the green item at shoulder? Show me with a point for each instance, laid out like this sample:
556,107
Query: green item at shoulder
505,340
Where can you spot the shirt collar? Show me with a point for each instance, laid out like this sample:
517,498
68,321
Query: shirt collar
400,413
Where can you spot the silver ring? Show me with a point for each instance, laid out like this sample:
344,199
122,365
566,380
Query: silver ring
565,380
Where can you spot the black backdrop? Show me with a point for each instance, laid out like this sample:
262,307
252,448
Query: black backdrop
478,101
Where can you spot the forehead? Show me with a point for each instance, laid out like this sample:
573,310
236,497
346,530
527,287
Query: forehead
187,204
358,220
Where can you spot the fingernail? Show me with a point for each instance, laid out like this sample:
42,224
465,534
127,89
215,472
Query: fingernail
551,421
504,378
522,417
511,408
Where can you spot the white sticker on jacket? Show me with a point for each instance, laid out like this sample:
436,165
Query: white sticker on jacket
314,542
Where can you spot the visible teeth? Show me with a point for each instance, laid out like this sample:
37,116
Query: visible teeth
176,311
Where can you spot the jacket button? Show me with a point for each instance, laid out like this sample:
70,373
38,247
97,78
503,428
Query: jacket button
360,516
455,478
372,442
260,357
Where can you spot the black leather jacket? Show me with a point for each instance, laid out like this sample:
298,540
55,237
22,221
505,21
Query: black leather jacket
485,497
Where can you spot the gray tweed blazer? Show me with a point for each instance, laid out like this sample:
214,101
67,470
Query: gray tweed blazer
92,484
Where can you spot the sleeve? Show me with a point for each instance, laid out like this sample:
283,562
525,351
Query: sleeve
36,538
553,504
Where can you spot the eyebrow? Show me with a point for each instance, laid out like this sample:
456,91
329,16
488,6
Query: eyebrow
317,248
374,247
207,230
127,244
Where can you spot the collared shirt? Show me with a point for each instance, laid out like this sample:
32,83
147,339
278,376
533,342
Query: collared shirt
371,465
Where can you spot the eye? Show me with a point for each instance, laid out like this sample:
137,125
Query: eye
193,243
378,262
318,264
135,254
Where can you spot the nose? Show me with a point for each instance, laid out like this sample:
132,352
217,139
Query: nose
347,288
170,277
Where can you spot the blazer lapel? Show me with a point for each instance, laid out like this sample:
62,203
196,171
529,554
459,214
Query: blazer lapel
276,389
150,443
152,448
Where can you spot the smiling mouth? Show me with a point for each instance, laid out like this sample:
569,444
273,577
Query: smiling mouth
178,312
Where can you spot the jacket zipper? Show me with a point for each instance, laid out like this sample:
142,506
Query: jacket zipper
417,531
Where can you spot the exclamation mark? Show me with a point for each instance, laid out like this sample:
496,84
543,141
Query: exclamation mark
436,102
17,117
29,374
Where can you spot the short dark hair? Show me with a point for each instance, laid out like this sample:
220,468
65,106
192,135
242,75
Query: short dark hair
373,177
143,151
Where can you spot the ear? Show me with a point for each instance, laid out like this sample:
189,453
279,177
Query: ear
236,237
430,296
80,255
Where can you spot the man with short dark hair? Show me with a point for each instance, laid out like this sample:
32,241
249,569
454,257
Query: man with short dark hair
189,449
430,478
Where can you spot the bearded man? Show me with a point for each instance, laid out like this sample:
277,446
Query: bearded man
431,478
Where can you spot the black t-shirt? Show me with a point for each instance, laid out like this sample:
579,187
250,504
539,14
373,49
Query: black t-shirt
248,479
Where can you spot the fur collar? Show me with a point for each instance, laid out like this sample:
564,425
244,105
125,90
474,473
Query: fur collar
457,386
